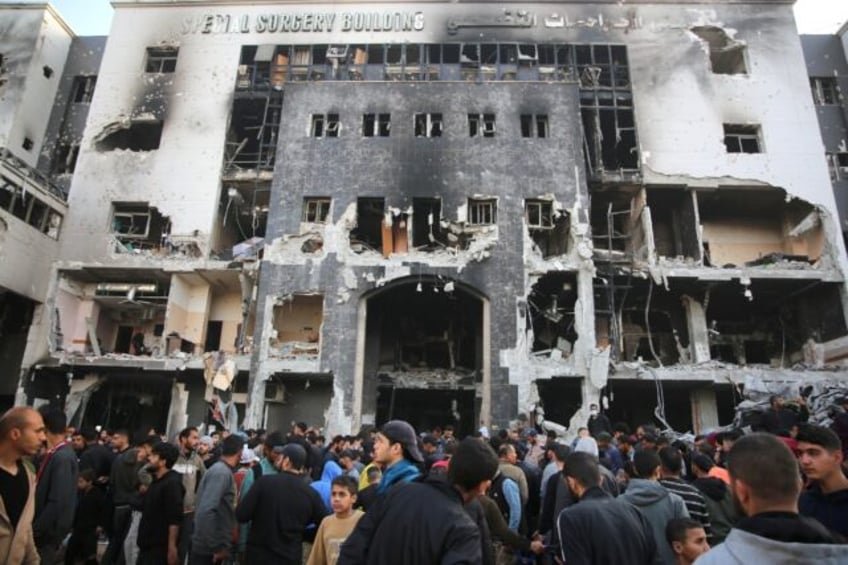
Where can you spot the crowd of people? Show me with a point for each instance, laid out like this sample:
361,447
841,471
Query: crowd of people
391,496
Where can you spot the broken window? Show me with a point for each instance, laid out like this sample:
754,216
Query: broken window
674,223
548,230
428,125
550,315
368,233
161,59
325,125
740,138
252,135
727,55
481,125
315,210
376,125
28,144
539,213
135,136
27,208
534,125
66,158
825,91
138,225
297,326
837,163
3,78
82,90
482,211
427,230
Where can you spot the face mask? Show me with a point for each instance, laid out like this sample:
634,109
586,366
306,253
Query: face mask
593,412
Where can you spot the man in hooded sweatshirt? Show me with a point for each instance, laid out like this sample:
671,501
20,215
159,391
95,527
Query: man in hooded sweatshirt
772,531
655,501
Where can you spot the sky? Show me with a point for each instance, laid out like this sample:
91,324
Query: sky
93,17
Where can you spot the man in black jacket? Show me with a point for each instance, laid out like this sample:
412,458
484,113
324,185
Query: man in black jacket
56,490
391,532
600,528
159,529
280,507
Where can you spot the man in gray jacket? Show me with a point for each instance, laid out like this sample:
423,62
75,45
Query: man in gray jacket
766,483
215,515
656,503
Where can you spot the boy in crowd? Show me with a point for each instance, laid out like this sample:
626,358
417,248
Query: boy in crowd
90,517
687,538
335,529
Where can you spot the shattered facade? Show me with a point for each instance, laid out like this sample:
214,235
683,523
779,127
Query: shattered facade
447,212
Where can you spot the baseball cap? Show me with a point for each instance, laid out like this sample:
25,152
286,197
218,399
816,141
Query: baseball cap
398,431
295,453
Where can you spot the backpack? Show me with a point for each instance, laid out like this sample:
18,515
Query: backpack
495,492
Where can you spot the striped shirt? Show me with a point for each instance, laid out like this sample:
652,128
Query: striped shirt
693,499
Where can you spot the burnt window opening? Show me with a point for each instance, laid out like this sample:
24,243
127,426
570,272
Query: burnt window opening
27,208
613,225
136,136
825,90
82,90
297,326
548,229
837,164
739,138
325,125
244,207
610,136
427,233
315,210
674,223
161,59
727,56
482,211
137,225
65,161
253,133
47,71
28,144
427,125
481,125
368,233
550,315
376,125
534,125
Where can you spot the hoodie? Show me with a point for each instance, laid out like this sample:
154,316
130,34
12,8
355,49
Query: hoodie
325,485
659,506
720,507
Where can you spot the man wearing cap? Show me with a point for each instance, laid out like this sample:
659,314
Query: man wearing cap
396,450
425,523
280,507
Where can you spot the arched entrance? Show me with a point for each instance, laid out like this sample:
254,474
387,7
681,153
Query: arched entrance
423,355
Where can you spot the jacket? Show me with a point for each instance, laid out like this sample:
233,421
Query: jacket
124,480
720,507
18,545
191,467
215,514
777,538
420,523
54,495
829,509
163,504
600,529
659,506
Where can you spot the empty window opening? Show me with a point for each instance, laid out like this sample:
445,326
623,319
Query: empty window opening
376,125
534,125
325,125
316,210
548,228
253,132
297,326
48,71
740,138
616,218
27,208
368,233
482,211
427,233
428,125
550,315
28,144
609,133
244,209
66,158
83,88
838,165
773,232
136,225
825,90
135,136
481,125
161,59
727,56
674,222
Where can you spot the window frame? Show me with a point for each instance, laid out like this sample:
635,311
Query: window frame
544,209
318,207
479,208
161,60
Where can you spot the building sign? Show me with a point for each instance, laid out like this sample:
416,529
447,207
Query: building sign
318,22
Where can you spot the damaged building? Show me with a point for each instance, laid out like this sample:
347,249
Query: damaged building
454,213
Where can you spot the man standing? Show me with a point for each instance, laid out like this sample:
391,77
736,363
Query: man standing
215,516
600,528
280,507
820,456
672,466
21,435
773,531
779,419
687,539
425,523
95,455
191,467
56,489
396,449
159,530
597,422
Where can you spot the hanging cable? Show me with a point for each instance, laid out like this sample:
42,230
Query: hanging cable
648,322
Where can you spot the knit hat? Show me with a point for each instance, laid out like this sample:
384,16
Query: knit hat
398,431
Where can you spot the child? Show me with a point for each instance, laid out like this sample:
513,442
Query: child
334,529
90,517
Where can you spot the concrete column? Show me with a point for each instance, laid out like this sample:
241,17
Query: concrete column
359,367
699,337
486,400
704,409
